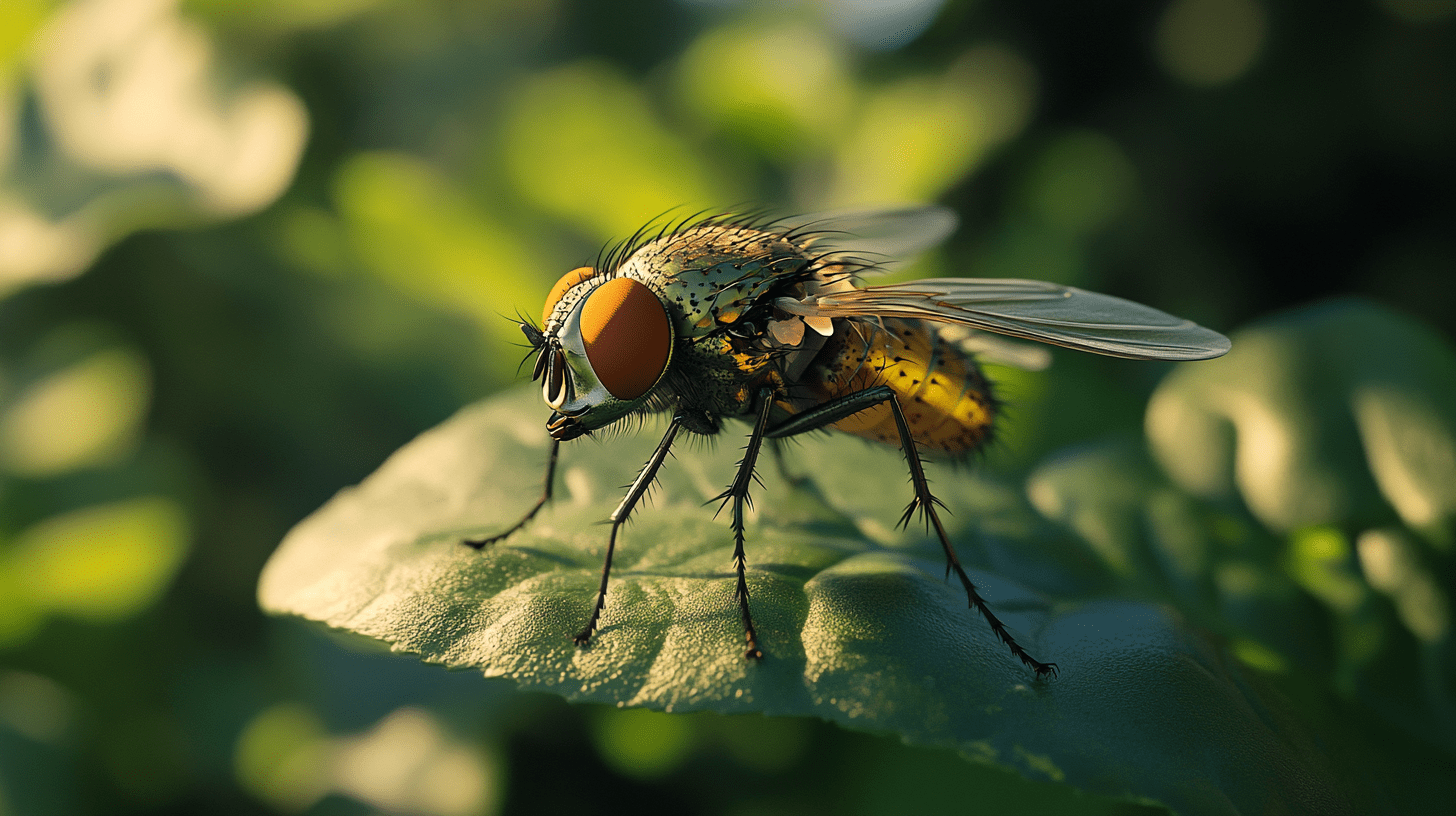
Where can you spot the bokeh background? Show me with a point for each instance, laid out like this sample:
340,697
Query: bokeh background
250,247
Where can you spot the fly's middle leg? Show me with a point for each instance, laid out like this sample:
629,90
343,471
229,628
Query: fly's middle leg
737,493
482,543
924,501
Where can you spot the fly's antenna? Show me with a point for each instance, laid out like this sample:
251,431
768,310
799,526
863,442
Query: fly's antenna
535,339
522,363
527,326
522,319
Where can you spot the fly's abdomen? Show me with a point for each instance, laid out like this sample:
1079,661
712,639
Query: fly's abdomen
947,401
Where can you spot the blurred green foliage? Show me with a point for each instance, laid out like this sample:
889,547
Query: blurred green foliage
248,249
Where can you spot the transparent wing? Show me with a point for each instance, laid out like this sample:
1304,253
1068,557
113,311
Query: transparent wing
995,348
887,237
1032,310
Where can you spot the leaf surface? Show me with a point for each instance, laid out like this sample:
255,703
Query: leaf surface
1099,563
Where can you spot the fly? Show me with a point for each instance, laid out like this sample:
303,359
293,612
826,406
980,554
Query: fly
766,321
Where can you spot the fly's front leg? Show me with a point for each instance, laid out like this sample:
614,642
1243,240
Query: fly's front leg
738,494
481,543
639,487
830,412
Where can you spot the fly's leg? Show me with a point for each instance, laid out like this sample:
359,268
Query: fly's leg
738,494
635,492
924,502
481,543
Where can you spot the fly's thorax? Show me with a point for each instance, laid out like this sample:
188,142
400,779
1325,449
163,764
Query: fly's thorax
717,277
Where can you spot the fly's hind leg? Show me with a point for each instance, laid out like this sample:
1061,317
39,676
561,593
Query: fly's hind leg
482,543
737,493
924,502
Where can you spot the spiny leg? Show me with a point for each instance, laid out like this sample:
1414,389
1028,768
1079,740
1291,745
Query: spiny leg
635,492
828,413
925,503
481,543
738,494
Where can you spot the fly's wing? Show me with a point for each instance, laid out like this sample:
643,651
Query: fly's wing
1032,310
885,238
995,348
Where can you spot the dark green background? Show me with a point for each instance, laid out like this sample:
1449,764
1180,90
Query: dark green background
461,155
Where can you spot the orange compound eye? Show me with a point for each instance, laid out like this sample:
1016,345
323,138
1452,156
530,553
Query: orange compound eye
563,285
627,335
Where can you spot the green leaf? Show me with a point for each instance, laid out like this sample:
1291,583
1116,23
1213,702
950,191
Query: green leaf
1216,656
859,625
1333,414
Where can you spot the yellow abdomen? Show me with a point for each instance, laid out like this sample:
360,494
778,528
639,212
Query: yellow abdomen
947,401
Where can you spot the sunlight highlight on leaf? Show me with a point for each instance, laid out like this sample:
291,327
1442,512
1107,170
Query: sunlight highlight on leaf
409,764
1260,656
88,414
102,563
406,763
1412,448
282,757
1391,563
1321,559
157,108
136,126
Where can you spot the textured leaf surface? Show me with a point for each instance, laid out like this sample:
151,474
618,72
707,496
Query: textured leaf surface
859,624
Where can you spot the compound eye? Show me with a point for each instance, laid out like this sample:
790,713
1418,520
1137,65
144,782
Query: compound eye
627,335
563,286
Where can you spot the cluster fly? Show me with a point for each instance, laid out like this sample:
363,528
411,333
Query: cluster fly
766,321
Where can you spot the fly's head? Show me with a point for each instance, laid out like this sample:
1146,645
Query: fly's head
605,346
